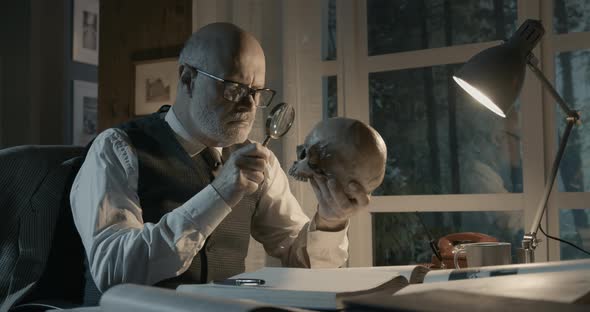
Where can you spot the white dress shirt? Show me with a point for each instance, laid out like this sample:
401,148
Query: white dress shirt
121,248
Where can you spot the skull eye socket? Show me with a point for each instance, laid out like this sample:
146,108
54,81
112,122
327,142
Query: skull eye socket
301,153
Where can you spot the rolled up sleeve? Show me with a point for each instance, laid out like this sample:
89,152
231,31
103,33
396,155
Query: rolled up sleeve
288,234
120,247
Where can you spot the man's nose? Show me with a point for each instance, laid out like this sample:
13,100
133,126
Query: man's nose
247,103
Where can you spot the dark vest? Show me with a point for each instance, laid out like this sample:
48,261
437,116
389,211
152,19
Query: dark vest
168,177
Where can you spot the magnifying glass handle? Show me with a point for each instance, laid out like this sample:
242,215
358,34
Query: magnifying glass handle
266,140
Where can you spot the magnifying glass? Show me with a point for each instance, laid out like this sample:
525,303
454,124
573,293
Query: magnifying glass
279,121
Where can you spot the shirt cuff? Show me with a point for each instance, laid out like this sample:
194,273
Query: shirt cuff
327,249
313,226
206,210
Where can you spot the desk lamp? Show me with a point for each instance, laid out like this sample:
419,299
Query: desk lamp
494,78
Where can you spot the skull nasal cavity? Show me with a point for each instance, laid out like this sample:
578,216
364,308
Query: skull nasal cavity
302,152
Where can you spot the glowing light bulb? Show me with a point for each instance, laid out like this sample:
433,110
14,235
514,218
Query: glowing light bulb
479,96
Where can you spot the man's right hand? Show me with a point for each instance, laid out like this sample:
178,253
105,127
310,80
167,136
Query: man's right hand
242,173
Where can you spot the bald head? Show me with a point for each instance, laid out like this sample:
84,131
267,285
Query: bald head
225,51
220,46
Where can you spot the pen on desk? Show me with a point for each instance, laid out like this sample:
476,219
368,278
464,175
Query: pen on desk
241,282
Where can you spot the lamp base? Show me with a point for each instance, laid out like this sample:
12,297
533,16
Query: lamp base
525,255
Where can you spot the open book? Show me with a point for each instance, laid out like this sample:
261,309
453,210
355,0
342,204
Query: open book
327,288
547,286
503,270
129,297
323,289
456,301
560,286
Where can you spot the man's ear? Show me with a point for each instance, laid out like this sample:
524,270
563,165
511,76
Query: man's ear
187,75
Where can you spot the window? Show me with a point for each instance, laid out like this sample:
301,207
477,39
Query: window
440,140
574,227
400,238
408,25
461,167
328,30
330,98
569,61
572,69
571,16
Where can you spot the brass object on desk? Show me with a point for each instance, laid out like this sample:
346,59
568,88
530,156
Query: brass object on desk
483,254
447,243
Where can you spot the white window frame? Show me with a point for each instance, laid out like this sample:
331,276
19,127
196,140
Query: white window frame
553,45
302,80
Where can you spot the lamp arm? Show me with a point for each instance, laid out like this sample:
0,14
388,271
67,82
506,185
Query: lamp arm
564,107
549,184
529,241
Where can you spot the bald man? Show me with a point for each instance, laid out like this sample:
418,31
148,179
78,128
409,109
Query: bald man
153,205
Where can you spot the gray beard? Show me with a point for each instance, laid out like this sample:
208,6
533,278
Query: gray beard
212,127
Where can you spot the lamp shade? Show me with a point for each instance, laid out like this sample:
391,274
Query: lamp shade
495,76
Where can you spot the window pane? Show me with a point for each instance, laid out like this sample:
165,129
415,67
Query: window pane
404,25
571,16
439,140
330,93
574,228
573,84
328,30
400,238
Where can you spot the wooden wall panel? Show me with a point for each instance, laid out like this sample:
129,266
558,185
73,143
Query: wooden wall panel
15,28
127,29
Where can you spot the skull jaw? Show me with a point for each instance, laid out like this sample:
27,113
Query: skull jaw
301,170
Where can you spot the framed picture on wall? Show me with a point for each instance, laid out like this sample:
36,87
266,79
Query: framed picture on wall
155,84
85,31
85,112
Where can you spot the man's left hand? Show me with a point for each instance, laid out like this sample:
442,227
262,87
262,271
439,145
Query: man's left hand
337,204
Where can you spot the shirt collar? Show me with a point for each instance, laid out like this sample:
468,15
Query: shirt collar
190,145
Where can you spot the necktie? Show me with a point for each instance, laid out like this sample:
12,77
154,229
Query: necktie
214,160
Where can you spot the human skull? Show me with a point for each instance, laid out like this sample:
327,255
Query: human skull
343,148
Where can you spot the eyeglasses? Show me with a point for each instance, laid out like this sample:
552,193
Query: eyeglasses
235,91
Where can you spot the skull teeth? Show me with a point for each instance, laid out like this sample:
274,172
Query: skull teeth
292,172
299,178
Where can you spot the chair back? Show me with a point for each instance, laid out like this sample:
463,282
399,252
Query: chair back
41,255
